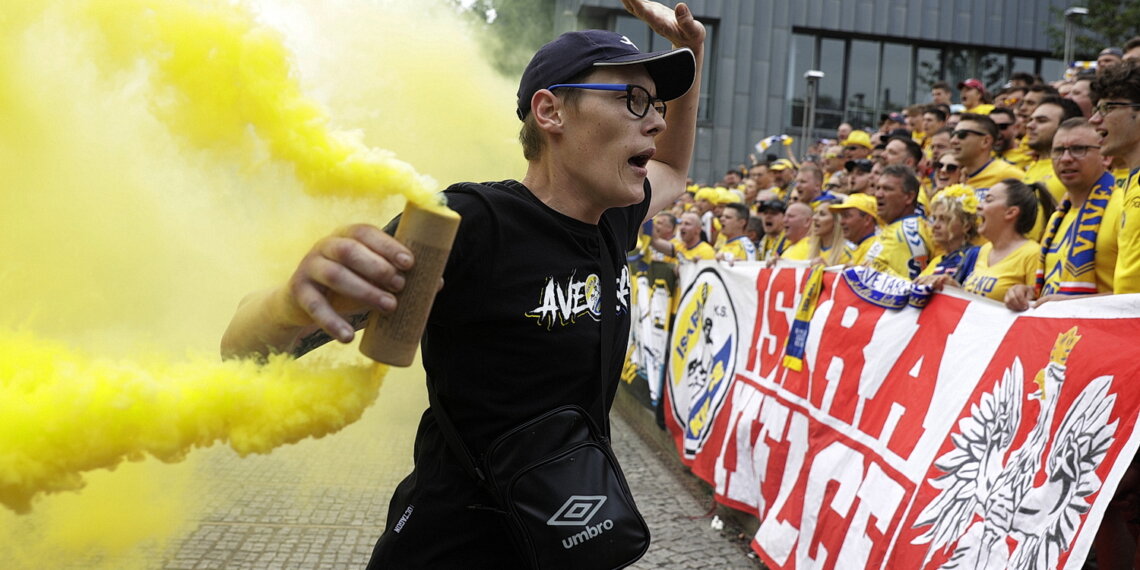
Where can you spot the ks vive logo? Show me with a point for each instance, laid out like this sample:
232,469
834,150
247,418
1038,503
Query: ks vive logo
577,511
702,357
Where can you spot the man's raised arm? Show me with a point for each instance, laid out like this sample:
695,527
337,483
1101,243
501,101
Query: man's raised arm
670,165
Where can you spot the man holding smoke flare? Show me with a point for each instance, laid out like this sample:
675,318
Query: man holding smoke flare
504,341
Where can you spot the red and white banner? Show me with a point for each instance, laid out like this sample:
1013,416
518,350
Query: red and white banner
960,434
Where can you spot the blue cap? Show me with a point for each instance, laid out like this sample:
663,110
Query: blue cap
574,52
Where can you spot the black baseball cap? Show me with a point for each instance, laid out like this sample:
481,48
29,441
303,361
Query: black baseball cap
574,52
862,164
777,205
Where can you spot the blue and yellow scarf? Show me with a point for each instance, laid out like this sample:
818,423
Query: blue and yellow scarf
1076,275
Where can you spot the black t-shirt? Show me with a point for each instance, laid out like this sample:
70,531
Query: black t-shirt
514,332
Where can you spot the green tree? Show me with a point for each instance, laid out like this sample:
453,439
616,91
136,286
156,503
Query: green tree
1108,23
514,29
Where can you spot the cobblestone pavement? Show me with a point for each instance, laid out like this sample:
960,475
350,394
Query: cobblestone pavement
321,504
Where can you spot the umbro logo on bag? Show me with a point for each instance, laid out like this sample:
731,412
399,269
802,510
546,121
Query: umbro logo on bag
577,511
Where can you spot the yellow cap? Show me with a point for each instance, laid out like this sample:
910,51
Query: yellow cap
726,196
862,202
782,164
860,138
707,193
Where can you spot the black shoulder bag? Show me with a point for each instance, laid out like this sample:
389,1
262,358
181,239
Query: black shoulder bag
556,479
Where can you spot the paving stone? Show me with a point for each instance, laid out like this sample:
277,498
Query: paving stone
322,503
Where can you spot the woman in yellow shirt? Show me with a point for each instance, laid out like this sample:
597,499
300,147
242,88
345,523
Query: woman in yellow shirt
827,242
1007,213
954,227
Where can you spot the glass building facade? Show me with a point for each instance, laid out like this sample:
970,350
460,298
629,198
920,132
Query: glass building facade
877,56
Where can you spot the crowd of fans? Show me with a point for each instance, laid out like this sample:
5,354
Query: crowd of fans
1025,196
1000,194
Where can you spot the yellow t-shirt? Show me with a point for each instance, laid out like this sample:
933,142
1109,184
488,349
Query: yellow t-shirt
1019,267
740,248
981,109
770,245
1106,247
1041,170
700,251
651,253
859,250
844,255
1121,176
932,266
1020,155
903,248
924,192
997,170
799,250
991,173
1127,277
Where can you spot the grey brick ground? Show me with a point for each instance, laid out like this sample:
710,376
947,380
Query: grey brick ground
321,504
682,535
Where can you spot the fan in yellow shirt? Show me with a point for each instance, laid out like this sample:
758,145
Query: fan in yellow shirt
797,225
954,228
903,247
737,246
1116,118
1127,276
859,218
689,247
1079,250
1007,213
1006,145
974,97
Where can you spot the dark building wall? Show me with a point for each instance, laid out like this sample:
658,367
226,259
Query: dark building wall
753,81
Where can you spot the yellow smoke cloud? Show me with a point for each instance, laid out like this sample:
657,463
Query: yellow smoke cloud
217,75
160,159
66,413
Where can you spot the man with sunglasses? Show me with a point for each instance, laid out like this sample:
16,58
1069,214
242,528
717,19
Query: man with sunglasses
1006,145
1116,117
972,143
517,328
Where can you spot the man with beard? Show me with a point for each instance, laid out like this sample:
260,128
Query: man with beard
1043,123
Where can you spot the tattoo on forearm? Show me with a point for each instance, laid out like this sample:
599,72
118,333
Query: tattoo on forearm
319,337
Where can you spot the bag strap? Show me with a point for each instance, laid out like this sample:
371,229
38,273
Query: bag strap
608,291
451,435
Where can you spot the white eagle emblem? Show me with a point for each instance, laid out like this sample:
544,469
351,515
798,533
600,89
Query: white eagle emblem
988,490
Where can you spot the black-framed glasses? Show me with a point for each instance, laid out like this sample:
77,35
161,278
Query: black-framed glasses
1076,150
637,98
951,168
961,134
1003,126
1106,107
